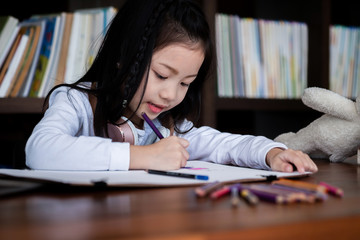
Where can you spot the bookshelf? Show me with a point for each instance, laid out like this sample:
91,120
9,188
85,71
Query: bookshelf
271,117
19,115
268,117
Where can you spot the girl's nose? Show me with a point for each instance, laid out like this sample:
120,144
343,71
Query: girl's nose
168,93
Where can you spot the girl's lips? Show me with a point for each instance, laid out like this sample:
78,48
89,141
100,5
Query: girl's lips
155,108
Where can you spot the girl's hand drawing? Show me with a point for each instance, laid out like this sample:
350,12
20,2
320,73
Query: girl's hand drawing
289,160
167,154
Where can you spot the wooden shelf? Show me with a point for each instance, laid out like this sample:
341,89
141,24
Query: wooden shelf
21,105
256,104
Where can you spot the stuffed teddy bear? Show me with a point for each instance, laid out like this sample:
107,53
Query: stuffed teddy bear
334,135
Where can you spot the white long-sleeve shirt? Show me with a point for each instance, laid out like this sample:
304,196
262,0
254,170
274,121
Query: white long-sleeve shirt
64,139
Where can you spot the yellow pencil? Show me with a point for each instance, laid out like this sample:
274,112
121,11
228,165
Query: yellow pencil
249,197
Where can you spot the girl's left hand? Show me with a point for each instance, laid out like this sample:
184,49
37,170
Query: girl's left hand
289,160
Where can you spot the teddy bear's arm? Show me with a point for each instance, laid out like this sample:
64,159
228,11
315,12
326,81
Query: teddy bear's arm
329,102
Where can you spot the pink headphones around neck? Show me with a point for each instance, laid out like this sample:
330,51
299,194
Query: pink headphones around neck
121,133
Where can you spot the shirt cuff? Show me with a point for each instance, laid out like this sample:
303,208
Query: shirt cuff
267,149
120,156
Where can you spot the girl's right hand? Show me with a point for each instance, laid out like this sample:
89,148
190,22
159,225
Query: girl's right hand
167,154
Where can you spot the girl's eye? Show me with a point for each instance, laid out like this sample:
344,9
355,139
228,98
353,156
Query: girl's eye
160,76
185,84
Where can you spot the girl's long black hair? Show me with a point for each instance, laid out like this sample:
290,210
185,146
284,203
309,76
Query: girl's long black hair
138,29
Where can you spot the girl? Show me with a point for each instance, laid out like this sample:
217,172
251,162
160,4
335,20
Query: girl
154,59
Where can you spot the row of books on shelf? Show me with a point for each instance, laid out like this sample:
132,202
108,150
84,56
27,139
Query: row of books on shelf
260,58
345,60
45,50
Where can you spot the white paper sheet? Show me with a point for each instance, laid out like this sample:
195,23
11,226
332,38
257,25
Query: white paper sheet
140,178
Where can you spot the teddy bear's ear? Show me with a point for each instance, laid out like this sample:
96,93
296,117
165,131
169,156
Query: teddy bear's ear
329,102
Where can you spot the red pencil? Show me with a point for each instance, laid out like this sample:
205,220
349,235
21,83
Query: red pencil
332,189
220,192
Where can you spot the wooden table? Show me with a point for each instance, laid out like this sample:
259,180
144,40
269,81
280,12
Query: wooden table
57,212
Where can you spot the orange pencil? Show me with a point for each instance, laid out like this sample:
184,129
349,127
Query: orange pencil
301,185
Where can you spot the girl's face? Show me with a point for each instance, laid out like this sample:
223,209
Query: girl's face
173,68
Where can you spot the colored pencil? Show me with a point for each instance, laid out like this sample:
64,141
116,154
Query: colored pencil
220,192
235,196
249,197
300,185
152,125
264,195
206,189
332,189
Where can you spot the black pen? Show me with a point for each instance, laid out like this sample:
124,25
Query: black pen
177,174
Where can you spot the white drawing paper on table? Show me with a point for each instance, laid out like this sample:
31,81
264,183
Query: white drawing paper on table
141,178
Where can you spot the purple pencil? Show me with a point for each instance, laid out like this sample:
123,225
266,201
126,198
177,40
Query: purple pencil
262,195
153,127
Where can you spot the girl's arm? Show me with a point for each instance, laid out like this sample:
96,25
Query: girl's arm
259,152
209,144
64,138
